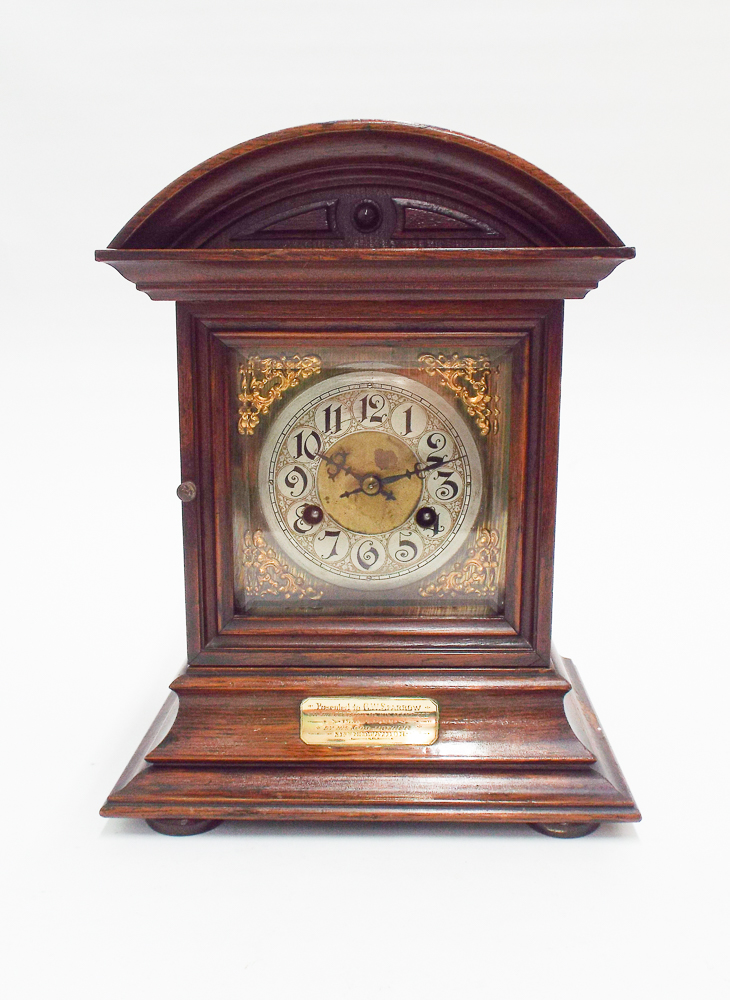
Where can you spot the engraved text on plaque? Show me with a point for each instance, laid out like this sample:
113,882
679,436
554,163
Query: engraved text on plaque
369,721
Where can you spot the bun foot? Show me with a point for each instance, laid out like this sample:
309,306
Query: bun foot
182,827
565,830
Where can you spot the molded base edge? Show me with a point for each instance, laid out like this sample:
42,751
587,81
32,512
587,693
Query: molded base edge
471,792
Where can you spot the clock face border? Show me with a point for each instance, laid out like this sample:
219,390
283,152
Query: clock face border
219,636
378,379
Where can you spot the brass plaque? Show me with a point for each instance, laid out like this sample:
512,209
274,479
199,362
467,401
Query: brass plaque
369,721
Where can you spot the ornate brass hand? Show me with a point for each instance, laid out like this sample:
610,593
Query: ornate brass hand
418,470
369,483
338,463
372,484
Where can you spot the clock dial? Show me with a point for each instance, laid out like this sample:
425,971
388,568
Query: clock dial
370,481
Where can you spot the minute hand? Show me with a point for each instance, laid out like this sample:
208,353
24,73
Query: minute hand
419,470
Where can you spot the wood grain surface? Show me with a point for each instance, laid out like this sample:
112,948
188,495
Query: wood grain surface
360,235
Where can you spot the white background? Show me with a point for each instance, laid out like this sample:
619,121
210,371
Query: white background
625,103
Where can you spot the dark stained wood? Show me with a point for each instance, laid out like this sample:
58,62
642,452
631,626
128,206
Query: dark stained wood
359,234
237,717
586,791
219,637
526,795
491,791
585,723
325,275
252,185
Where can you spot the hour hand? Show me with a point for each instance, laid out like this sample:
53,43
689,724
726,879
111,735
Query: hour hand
338,463
371,486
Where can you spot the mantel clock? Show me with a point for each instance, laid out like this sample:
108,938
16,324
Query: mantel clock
369,321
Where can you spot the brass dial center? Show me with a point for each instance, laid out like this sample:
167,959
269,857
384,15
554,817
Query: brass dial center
352,482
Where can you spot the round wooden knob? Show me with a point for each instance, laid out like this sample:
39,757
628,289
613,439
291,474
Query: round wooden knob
187,491
366,216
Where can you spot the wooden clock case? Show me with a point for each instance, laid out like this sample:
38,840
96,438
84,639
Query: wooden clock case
471,243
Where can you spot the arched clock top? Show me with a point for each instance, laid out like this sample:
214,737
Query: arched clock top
364,184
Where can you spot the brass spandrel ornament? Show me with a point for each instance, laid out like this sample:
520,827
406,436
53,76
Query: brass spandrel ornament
266,574
475,575
264,380
470,379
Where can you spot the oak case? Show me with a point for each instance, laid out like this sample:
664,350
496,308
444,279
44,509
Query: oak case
473,248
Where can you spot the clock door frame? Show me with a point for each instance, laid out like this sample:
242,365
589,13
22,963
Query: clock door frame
217,635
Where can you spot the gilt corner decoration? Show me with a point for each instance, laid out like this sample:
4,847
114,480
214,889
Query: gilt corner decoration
476,575
264,380
266,573
470,381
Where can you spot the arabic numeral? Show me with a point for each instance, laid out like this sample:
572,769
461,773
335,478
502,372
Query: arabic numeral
437,444
376,403
299,524
448,489
436,528
406,550
331,545
408,419
332,419
367,555
294,478
308,443
336,536
429,519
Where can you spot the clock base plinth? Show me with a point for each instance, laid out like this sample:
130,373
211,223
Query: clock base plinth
560,797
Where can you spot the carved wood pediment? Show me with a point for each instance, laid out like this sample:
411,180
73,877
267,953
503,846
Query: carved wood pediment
367,216
365,184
